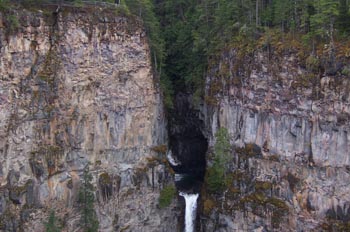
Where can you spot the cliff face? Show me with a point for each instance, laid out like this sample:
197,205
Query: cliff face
77,89
291,140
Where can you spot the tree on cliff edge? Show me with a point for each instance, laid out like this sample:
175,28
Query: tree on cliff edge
86,202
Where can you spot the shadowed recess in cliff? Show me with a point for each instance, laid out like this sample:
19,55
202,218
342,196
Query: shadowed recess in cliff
188,144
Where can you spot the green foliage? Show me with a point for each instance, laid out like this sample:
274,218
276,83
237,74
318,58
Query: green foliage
216,177
4,5
262,185
343,20
166,196
78,3
249,150
86,202
32,4
208,206
145,9
168,91
259,199
222,146
346,71
322,23
196,32
186,36
312,63
51,224
13,23
122,8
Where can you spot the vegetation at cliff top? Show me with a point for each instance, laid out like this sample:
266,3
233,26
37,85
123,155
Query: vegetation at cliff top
196,34
187,37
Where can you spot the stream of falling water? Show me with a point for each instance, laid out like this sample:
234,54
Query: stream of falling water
190,213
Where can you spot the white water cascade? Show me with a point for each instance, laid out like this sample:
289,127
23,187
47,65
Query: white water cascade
190,213
172,160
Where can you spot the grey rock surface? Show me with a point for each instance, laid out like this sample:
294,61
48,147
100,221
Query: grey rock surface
77,91
302,129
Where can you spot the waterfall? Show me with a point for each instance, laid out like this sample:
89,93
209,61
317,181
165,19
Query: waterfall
190,213
172,160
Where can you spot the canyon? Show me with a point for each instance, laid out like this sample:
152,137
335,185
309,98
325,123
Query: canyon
78,92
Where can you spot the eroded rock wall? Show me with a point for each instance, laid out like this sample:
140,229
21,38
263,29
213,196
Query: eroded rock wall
300,123
77,89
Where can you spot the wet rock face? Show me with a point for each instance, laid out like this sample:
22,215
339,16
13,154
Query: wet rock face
302,128
77,88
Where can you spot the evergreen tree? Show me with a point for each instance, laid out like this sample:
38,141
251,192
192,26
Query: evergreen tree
322,23
283,14
145,10
86,202
195,32
222,147
216,175
343,21
51,224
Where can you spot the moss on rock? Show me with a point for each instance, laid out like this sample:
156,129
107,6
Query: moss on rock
249,150
166,196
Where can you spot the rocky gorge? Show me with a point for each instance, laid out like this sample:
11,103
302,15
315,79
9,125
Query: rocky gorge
78,92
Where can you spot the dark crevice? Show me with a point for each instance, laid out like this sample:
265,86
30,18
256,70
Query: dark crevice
187,143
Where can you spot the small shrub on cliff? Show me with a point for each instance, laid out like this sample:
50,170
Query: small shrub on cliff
208,206
160,148
12,23
346,71
4,5
166,196
312,63
105,183
249,150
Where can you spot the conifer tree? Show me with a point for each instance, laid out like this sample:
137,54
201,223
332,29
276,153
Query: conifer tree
51,224
343,21
216,176
86,202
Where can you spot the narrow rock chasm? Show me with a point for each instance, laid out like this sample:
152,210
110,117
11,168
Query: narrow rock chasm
187,144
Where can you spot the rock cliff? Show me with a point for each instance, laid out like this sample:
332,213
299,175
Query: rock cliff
77,90
291,145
